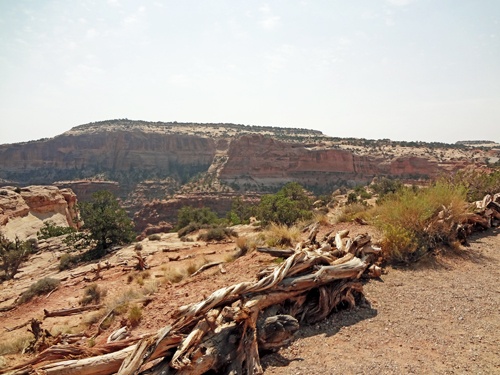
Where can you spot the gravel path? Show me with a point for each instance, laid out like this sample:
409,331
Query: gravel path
441,317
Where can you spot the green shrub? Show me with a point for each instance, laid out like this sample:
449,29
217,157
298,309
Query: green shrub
286,207
154,237
478,184
190,228
42,286
359,189
384,186
11,256
365,195
352,198
189,214
67,260
49,230
105,224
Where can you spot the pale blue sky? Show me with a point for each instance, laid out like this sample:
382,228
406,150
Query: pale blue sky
402,69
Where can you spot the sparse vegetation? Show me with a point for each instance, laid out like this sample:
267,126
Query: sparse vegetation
50,230
217,234
11,256
173,275
42,286
92,294
67,260
349,212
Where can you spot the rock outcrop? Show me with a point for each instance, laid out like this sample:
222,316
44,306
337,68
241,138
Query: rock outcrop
85,188
24,210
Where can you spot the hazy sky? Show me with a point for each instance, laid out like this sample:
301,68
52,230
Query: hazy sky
402,69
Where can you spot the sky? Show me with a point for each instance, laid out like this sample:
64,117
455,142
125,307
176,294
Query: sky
415,70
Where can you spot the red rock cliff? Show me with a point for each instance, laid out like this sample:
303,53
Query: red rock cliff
268,160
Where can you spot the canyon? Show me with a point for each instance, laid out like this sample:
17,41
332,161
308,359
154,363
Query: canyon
155,168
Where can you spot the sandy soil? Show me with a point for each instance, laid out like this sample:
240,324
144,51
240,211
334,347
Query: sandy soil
439,317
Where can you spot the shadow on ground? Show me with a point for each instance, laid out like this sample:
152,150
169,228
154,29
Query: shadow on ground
326,328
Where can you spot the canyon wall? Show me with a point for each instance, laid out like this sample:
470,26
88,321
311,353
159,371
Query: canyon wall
256,160
125,156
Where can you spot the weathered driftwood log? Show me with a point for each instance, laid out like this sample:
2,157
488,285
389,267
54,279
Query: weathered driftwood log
206,267
280,253
18,326
75,310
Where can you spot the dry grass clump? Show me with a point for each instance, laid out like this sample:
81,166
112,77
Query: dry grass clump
92,294
42,286
280,235
415,221
150,288
135,315
121,302
173,275
15,344
349,212
321,217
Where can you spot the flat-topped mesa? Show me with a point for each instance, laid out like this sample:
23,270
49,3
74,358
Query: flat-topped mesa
257,158
206,130
24,211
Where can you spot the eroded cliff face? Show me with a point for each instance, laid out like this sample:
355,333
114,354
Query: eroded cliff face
125,155
23,212
258,160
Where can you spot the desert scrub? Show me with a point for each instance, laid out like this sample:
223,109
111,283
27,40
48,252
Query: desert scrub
173,275
413,222
154,237
280,235
217,234
245,245
150,288
350,211
135,315
92,294
68,260
42,286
